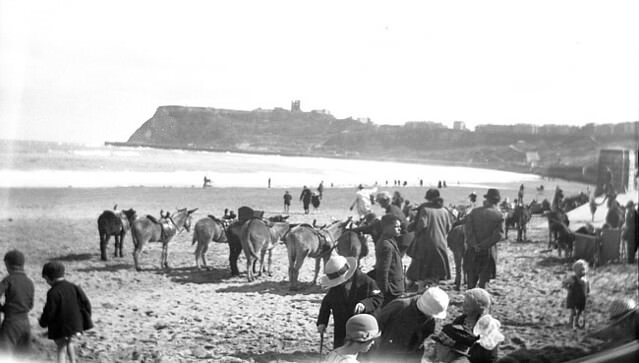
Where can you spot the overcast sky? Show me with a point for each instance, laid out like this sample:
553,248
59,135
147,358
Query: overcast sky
91,71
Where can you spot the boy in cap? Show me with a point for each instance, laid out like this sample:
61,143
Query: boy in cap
361,330
67,312
17,288
350,292
484,228
389,269
406,322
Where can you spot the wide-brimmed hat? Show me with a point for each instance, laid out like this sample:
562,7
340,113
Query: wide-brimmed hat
456,338
433,302
620,309
338,269
493,195
362,328
432,194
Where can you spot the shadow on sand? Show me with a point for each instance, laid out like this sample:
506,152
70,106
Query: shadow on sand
272,287
266,357
191,275
77,257
108,268
553,261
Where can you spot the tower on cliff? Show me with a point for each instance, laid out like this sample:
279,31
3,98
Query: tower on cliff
295,106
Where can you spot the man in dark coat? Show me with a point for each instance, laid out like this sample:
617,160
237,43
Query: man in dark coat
429,250
630,231
350,292
484,228
405,323
305,197
389,270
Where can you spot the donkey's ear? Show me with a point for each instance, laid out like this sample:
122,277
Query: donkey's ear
115,207
193,210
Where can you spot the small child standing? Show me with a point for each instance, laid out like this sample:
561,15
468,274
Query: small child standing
578,289
17,288
67,312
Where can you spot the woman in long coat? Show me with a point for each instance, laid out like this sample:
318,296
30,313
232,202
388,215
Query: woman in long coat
429,251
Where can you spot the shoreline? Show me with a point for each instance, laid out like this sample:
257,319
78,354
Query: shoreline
423,161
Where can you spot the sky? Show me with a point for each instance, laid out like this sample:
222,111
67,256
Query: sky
95,71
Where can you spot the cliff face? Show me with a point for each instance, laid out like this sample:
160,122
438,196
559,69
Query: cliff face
272,130
304,133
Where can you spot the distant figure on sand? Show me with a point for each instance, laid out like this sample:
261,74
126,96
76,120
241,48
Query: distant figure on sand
269,183
287,201
315,200
362,202
520,195
207,182
305,197
320,189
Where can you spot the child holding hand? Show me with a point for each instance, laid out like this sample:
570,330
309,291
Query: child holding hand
578,289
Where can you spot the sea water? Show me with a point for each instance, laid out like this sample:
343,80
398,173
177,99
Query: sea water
34,164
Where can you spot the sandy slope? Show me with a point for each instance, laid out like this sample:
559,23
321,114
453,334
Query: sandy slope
188,315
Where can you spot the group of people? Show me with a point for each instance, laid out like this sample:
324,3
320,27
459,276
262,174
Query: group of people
66,313
405,328
307,197
406,323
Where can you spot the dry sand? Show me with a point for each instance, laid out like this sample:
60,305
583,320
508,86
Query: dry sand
184,315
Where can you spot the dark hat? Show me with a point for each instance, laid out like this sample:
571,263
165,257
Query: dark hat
389,220
493,195
360,186
432,194
14,258
457,338
53,270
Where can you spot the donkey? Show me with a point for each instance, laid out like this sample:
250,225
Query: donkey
114,223
305,241
206,230
518,218
147,230
257,237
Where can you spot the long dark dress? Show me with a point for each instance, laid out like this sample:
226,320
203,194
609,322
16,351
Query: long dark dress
429,249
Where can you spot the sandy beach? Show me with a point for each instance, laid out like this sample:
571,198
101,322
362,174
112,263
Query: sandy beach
185,315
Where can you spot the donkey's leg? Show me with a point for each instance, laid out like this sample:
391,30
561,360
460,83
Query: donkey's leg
299,261
117,245
203,255
270,261
165,251
199,254
262,254
104,242
136,255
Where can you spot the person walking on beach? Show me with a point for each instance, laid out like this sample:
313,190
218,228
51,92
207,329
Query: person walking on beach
429,250
18,290
66,313
287,201
269,183
350,292
305,197
384,200
320,189
520,195
484,228
362,202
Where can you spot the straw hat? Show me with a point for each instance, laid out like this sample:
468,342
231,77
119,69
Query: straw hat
433,302
362,328
620,309
338,269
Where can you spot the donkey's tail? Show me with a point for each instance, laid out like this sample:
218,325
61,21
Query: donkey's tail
195,237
